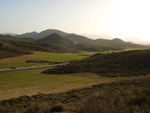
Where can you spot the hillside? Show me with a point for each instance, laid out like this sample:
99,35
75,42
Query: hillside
118,42
103,42
61,44
79,39
11,46
55,38
116,64
8,50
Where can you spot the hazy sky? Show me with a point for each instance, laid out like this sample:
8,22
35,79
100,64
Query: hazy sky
117,18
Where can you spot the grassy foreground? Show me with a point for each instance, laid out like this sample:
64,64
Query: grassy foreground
126,96
29,82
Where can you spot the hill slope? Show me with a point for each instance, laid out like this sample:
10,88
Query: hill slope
103,42
118,42
115,64
55,38
79,38
11,46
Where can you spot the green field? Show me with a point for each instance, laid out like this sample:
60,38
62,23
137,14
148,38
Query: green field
47,56
29,82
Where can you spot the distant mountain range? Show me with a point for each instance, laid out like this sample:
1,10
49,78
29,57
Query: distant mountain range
60,37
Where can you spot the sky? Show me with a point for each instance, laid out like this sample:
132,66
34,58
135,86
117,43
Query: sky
116,18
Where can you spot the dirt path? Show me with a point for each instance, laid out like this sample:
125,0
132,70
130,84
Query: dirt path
32,67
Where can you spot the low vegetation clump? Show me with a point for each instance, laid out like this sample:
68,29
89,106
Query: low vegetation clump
126,96
7,51
126,63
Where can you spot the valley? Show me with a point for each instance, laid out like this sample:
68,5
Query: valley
66,70
74,56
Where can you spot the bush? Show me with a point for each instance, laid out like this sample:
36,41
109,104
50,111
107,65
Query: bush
57,108
38,108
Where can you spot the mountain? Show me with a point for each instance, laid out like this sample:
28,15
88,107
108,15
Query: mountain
42,34
79,38
103,42
55,38
27,35
11,46
126,63
114,42
118,42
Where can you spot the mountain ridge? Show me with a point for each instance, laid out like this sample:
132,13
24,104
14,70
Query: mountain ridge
42,34
81,39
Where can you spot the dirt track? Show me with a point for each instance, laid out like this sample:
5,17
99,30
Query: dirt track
32,67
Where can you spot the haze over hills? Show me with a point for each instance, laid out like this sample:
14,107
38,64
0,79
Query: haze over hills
117,42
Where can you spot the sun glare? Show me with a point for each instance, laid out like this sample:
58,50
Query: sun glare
132,19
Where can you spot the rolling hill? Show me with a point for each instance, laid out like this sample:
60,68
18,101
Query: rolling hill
11,46
79,39
61,44
55,38
118,42
116,64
